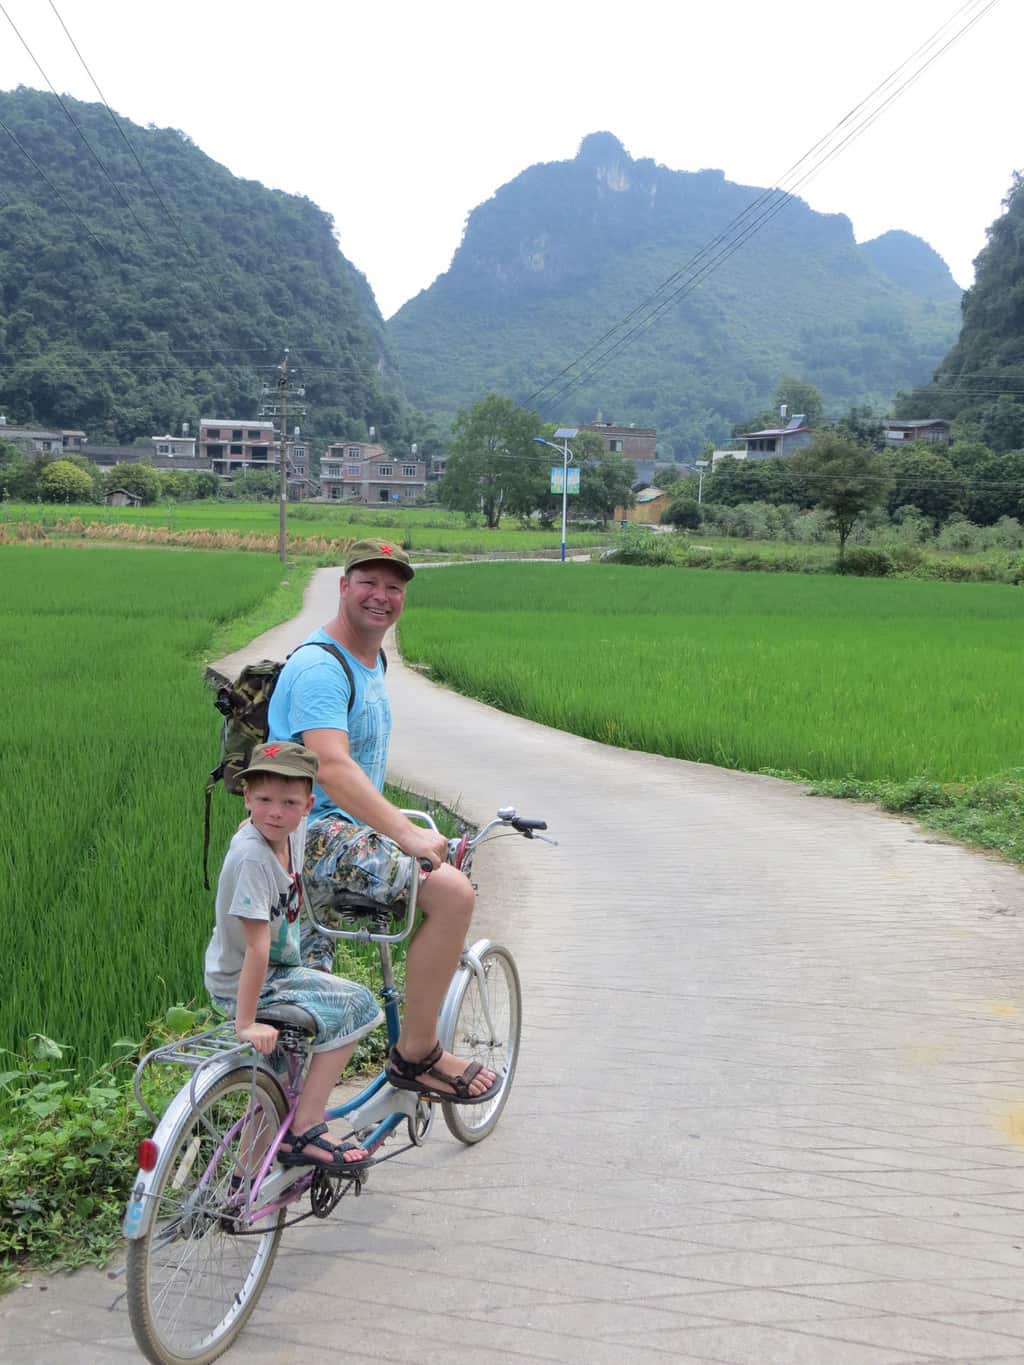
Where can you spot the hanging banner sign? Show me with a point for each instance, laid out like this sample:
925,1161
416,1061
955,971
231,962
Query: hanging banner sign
556,480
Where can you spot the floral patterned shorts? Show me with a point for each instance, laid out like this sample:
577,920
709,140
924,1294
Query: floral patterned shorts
343,858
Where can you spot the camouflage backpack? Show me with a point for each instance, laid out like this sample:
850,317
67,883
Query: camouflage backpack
244,704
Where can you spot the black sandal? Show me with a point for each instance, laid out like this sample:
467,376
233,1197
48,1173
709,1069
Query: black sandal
313,1137
403,1075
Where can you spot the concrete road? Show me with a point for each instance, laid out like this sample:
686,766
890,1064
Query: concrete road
770,1107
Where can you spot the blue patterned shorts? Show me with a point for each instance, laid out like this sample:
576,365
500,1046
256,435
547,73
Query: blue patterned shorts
344,1011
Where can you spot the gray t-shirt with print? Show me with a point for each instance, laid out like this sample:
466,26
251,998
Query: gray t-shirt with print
254,885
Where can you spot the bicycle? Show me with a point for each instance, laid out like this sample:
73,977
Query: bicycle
207,1209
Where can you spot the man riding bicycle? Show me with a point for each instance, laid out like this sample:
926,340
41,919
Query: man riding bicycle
357,840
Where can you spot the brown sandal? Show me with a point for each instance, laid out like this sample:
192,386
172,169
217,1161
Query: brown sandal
404,1074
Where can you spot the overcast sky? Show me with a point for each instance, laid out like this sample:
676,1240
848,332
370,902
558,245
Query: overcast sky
399,116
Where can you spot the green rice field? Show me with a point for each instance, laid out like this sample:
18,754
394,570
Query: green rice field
109,734
423,529
824,676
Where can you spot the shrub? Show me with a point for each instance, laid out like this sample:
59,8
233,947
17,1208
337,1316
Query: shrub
637,545
683,513
62,481
905,558
960,534
865,563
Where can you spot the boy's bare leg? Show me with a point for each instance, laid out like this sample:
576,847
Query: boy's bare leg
446,898
323,1075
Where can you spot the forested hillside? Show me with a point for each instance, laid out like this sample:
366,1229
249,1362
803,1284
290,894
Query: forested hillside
981,381
112,322
566,249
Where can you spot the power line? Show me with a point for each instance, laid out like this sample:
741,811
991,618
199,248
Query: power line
763,208
77,126
766,208
131,147
35,164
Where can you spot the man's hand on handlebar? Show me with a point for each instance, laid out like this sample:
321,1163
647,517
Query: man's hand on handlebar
426,845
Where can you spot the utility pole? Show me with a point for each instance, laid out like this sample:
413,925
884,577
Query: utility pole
275,405
282,494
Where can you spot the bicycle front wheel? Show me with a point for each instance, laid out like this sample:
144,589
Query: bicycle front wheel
193,1280
486,1023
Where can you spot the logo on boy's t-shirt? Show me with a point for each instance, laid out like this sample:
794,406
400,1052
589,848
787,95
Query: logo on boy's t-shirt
289,903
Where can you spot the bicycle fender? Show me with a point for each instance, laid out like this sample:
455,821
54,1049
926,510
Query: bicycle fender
141,1205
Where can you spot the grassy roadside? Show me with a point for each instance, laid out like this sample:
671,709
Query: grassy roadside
281,605
987,814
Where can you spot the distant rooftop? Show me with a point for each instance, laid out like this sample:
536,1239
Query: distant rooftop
232,422
914,422
797,423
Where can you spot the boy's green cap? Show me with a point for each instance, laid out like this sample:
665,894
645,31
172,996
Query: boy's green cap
369,551
282,758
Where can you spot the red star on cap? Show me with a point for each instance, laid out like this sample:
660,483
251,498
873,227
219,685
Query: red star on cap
386,550
271,751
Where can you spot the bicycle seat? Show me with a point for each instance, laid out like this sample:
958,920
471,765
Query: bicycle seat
288,1016
351,903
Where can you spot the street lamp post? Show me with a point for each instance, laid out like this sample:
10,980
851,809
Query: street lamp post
701,465
565,435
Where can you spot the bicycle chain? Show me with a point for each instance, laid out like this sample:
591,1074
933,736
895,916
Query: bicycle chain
319,1178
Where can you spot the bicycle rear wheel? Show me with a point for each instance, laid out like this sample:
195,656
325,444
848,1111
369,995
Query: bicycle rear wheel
485,1028
192,1281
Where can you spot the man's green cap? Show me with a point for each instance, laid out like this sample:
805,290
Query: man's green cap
369,551
282,758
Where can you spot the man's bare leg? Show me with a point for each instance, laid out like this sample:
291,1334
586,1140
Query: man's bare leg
446,898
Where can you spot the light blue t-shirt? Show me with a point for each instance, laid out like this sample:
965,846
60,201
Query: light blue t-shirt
312,694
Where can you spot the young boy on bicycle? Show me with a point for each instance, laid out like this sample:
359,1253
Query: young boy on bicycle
253,960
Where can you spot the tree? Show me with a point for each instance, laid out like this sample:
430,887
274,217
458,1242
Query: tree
134,478
1001,424
683,512
967,456
922,478
799,397
493,464
258,484
62,481
206,484
862,426
844,478
19,476
995,488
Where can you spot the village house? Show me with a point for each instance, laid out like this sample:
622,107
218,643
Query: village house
175,447
897,430
647,508
34,440
638,444
232,446
105,457
775,442
301,484
358,471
